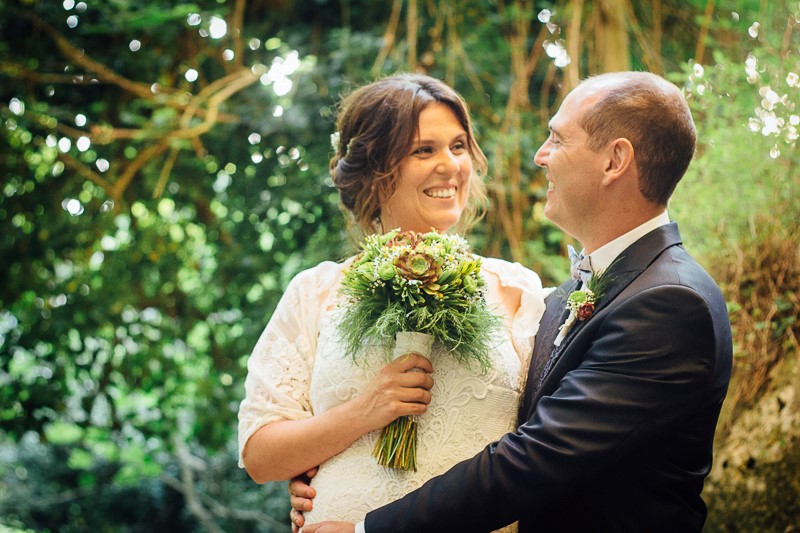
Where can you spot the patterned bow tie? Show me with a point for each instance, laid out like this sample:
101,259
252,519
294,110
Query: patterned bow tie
579,265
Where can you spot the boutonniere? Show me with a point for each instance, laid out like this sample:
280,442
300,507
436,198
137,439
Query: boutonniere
581,303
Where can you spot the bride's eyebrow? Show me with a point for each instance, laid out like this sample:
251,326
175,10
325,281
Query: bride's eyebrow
460,137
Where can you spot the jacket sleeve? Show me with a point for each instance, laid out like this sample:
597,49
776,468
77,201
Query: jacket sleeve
647,363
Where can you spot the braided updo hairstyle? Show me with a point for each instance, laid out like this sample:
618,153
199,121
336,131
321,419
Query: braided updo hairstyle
376,126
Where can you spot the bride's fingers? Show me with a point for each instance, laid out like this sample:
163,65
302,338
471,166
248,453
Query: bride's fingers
414,395
415,380
413,360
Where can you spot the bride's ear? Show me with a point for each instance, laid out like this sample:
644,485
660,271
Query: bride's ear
621,159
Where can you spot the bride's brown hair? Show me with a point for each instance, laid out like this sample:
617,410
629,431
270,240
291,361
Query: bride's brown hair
376,127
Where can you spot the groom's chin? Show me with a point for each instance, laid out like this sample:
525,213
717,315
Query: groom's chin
551,215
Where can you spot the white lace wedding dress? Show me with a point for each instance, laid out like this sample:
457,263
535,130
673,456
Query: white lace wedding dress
298,368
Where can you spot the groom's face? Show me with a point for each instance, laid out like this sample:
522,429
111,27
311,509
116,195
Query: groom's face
573,170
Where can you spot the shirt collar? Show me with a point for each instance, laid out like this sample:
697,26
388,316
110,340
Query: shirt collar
602,258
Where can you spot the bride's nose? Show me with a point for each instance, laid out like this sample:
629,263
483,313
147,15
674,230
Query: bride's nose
448,163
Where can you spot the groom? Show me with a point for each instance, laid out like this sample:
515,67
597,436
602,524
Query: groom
624,388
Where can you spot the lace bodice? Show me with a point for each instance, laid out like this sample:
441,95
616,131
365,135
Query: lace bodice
298,368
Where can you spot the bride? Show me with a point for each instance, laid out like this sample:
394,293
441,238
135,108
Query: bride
406,158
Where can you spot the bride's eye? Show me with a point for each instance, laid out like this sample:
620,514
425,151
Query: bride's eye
459,147
423,150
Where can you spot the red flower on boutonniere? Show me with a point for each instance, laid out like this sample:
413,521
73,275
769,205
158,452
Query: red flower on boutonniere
582,303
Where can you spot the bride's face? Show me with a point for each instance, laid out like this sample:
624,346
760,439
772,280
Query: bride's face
433,179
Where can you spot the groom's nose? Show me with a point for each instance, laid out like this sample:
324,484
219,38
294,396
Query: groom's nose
542,154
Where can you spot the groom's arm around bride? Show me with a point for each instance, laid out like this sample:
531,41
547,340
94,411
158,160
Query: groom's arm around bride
622,401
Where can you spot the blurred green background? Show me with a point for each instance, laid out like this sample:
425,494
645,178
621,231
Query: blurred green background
164,174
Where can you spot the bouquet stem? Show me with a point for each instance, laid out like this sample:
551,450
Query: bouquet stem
397,445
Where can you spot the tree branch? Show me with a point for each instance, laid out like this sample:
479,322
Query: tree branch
88,173
411,34
202,505
658,32
189,463
101,71
508,157
135,166
236,24
224,87
786,42
165,172
574,44
14,70
652,59
388,37
700,49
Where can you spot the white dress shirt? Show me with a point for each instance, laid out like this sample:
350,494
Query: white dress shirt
602,258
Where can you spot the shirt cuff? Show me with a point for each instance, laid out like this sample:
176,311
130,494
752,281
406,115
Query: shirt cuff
360,527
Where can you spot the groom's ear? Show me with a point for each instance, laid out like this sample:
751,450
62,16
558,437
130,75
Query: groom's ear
620,161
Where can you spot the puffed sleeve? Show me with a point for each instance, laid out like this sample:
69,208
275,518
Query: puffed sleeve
279,368
525,323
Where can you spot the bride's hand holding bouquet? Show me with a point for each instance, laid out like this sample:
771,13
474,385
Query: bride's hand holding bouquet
402,386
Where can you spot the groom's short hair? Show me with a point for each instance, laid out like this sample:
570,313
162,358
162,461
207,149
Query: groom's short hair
653,115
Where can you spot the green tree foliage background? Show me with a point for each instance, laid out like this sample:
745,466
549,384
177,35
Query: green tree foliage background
164,175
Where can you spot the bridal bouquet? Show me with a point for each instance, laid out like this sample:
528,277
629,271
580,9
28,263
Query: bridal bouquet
405,284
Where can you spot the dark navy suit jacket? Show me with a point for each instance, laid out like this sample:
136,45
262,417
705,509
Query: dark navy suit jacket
619,435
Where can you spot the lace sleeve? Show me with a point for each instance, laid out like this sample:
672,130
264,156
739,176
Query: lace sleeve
279,368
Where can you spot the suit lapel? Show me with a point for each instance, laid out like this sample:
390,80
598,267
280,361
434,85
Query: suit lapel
631,263
556,312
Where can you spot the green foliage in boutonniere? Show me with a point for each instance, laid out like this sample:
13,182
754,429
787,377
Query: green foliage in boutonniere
581,303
